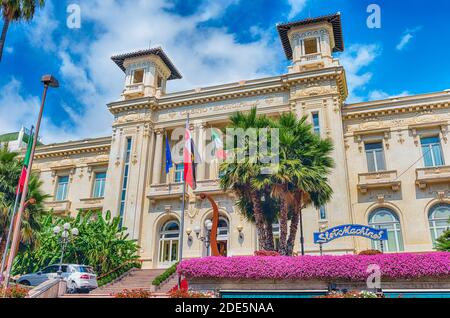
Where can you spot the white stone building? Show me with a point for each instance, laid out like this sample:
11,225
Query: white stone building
391,155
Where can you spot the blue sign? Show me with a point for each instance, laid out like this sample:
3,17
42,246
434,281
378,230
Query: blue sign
350,230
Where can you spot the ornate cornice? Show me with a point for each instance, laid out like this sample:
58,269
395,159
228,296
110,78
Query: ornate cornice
397,106
98,145
233,91
71,152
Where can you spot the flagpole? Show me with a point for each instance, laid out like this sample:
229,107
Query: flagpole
48,81
183,205
8,239
13,215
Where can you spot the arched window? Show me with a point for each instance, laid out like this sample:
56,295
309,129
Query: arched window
438,218
169,237
223,229
384,218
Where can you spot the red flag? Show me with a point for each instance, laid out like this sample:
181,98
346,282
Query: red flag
26,162
189,158
23,176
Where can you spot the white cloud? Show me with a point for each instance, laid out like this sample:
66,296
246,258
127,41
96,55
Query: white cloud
297,6
40,30
9,49
380,94
355,61
204,55
18,109
406,38
404,41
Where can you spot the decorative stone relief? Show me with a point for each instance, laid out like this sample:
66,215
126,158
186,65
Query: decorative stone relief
223,106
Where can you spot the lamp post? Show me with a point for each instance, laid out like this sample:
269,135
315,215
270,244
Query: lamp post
48,81
322,228
67,235
302,239
205,239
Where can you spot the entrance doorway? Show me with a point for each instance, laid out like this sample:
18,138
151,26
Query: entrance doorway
222,237
168,244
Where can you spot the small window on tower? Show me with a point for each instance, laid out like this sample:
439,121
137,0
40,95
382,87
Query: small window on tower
158,81
310,46
138,76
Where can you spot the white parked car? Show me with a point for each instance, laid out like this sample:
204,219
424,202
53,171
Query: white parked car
80,278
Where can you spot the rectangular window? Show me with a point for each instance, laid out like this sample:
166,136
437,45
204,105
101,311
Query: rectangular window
310,46
432,151
126,170
138,76
99,185
61,188
323,213
375,157
316,122
179,172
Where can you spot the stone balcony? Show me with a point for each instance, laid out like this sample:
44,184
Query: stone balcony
165,190
209,186
134,90
59,207
91,204
380,179
313,61
430,175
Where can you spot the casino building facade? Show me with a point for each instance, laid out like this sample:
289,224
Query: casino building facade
392,156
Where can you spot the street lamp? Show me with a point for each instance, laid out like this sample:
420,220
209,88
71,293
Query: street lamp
67,234
48,81
205,239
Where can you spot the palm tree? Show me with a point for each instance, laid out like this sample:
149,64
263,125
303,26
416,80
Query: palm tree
301,178
16,10
240,177
10,168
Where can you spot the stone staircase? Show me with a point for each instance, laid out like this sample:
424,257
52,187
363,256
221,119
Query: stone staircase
134,279
165,287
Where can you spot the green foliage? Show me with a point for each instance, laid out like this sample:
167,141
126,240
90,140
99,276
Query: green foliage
15,10
101,244
10,169
443,242
164,276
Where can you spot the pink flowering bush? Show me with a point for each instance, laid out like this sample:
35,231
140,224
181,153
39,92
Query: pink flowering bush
345,267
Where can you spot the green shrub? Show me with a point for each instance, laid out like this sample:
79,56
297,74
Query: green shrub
102,244
164,276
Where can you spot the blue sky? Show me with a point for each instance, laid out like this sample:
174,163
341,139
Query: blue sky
211,42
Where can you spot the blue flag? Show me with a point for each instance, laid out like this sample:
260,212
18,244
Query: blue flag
169,163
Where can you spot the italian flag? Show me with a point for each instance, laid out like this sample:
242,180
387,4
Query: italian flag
26,162
189,158
218,145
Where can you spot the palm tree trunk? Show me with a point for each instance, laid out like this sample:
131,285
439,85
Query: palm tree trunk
259,219
3,36
294,225
293,232
269,237
283,226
